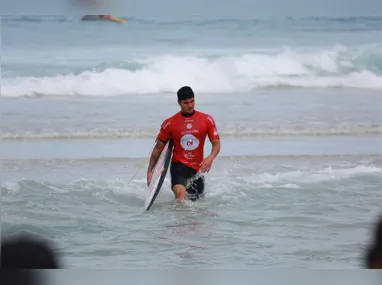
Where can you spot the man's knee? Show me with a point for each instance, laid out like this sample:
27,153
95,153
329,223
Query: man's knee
179,191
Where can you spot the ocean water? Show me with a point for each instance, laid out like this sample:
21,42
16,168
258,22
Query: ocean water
297,101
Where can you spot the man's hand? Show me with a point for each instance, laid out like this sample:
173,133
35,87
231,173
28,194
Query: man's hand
206,164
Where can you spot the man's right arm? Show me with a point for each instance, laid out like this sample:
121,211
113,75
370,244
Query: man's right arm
154,159
155,154
162,138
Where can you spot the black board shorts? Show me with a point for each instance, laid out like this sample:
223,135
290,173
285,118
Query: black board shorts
180,174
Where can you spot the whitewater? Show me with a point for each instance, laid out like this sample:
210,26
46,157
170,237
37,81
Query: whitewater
297,102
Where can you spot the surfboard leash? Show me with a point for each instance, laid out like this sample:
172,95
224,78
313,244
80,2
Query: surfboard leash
143,162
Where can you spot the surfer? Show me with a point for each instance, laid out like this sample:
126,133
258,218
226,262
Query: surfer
95,17
188,130
102,18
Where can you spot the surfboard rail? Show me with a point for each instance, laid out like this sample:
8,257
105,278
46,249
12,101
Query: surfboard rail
159,174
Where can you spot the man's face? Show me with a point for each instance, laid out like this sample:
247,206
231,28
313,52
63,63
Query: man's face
187,106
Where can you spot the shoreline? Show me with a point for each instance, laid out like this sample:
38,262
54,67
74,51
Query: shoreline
231,146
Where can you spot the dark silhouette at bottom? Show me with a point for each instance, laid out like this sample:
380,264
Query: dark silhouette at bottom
373,258
22,254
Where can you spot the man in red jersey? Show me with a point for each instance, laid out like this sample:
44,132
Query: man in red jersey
188,130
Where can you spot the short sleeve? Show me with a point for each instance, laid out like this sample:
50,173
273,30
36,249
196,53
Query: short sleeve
164,133
212,131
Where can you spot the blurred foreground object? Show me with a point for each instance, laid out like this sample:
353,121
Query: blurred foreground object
25,252
374,252
19,254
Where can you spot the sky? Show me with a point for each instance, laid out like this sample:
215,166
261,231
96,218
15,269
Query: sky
180,9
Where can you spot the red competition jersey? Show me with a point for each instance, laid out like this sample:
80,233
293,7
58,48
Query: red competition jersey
188,135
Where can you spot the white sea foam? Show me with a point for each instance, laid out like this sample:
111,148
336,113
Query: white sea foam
336,67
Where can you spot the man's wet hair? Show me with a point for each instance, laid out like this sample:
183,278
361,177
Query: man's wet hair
185,93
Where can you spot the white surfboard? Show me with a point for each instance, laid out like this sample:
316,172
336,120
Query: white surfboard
159,174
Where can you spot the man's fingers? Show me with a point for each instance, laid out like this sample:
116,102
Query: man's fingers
205,167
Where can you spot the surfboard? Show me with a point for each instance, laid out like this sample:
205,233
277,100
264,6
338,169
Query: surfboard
118,19
159,174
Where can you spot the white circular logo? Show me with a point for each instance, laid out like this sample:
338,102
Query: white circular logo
189,142
189,126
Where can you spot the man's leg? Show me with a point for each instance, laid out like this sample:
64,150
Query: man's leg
196,189
179,191
178,181
200,185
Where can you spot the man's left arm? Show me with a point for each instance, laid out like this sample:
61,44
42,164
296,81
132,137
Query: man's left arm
214,137
215,148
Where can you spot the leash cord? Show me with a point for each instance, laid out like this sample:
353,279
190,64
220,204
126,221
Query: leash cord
143,162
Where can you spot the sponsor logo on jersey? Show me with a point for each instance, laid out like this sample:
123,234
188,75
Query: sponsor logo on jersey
190,132
189,155
189,142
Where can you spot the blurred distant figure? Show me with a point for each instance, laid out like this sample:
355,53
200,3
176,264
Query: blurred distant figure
374,252
97,6
103,18
95,17
89,2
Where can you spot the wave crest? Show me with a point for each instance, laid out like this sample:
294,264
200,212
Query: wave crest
335,68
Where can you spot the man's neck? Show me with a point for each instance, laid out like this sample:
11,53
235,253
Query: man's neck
187,115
